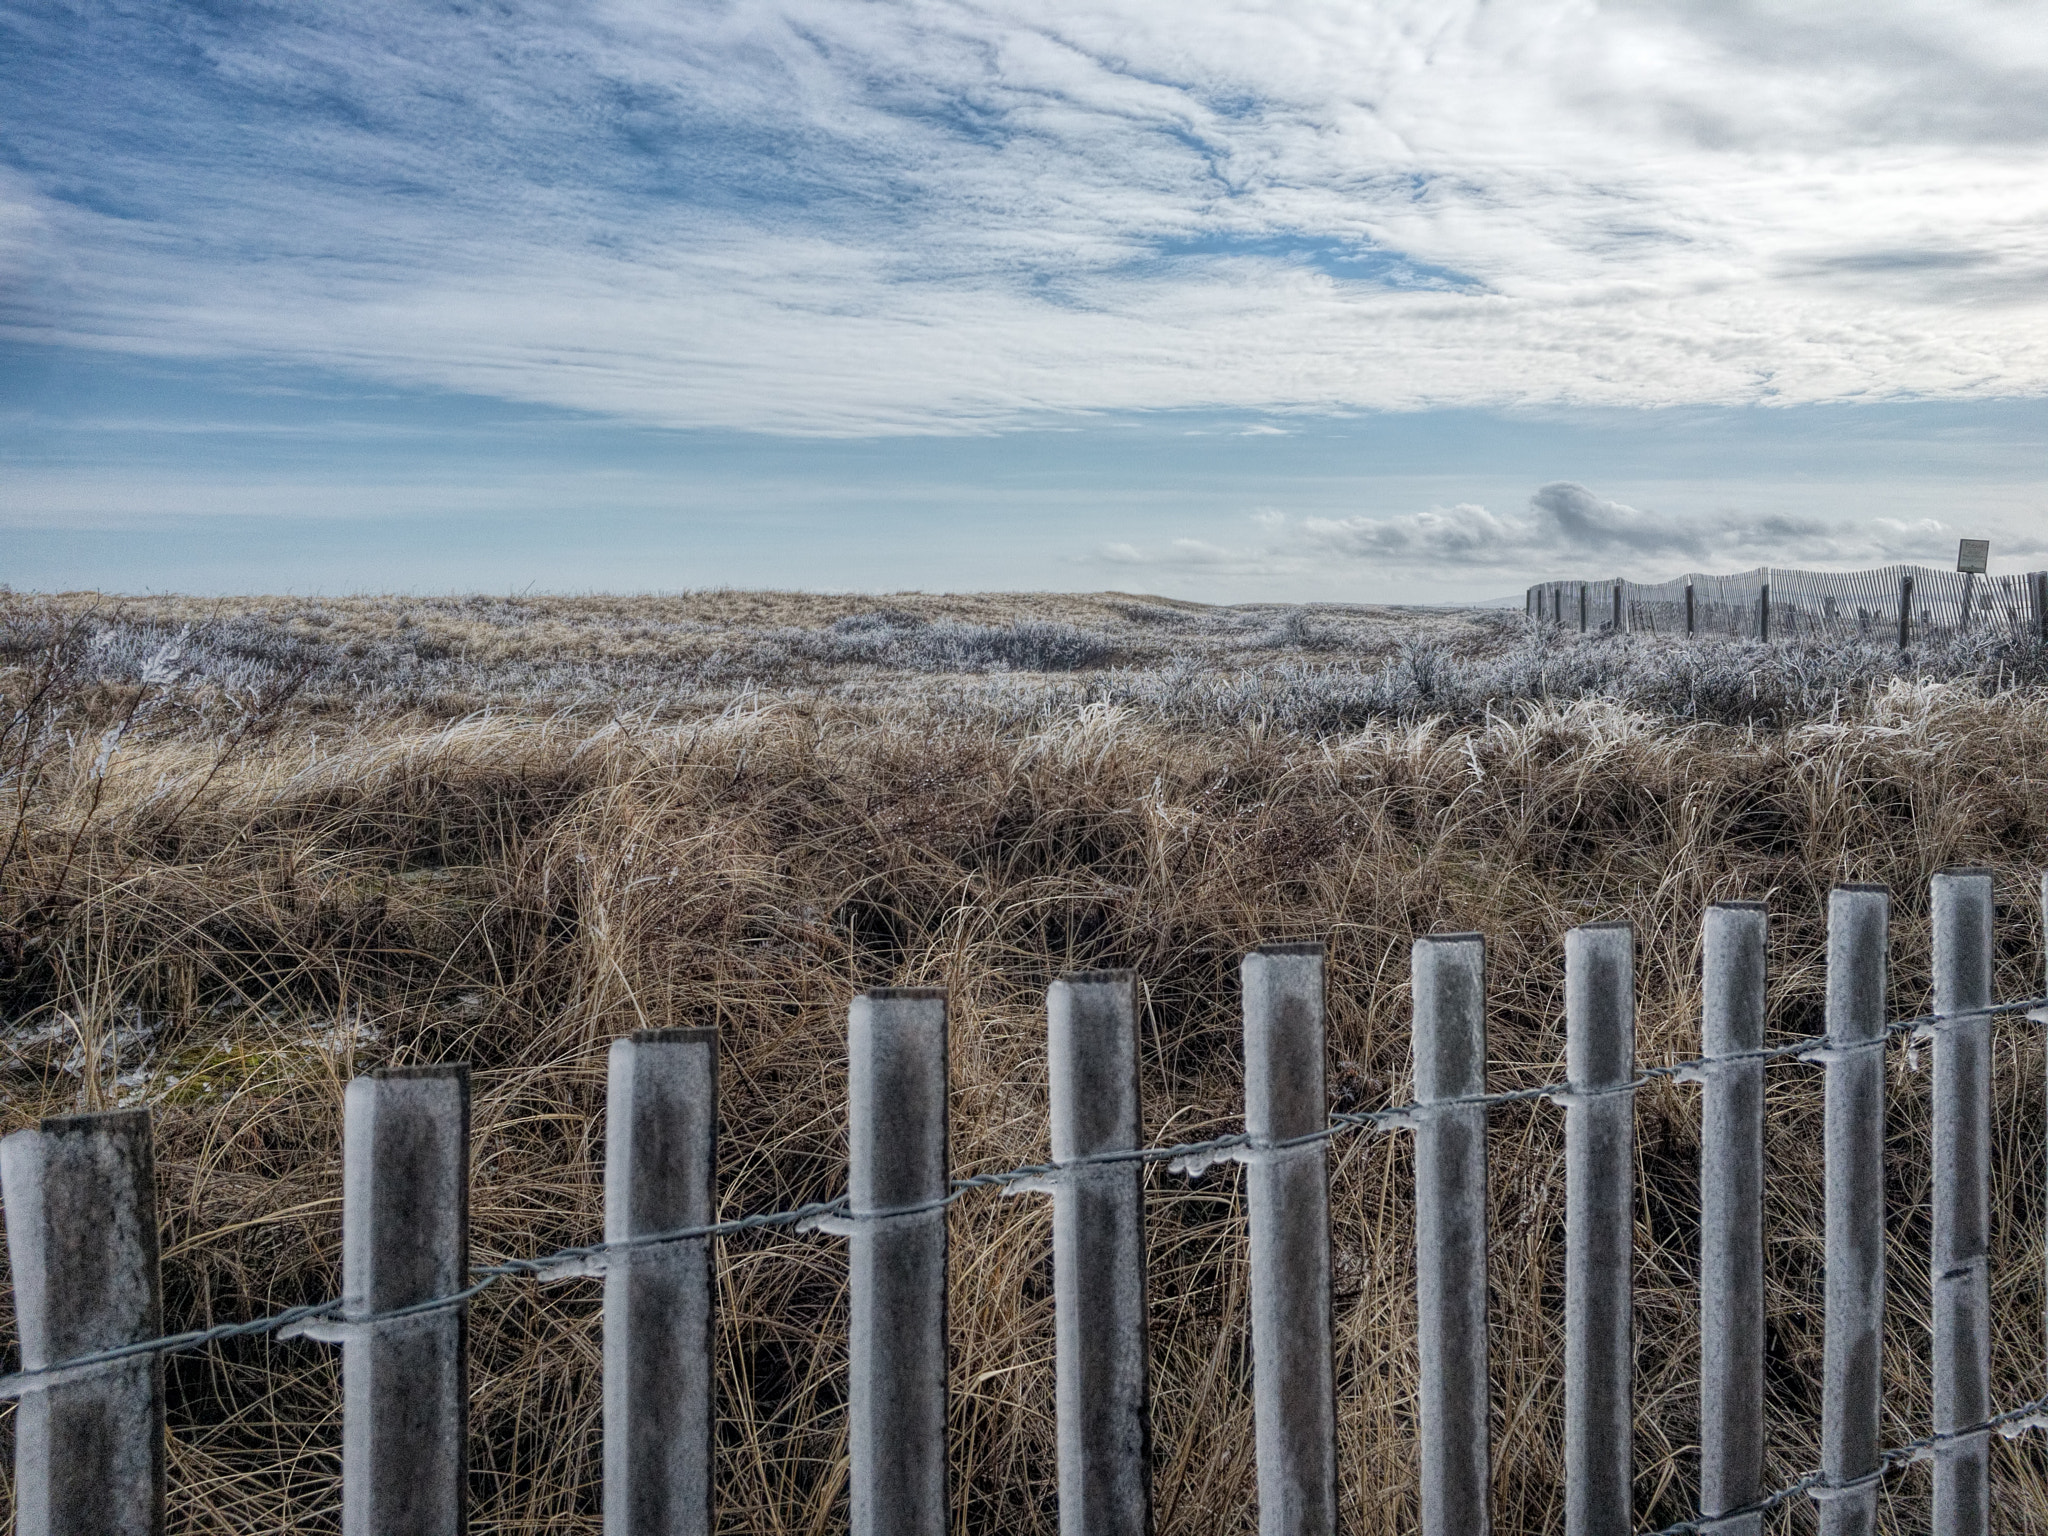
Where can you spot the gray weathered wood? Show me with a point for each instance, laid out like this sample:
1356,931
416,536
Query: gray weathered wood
1294,1404
1600,1053
82,1239
1731,1216
405,1241
1960,1268
1852,1135
1449,972
897,1180
1098,1241
661,1158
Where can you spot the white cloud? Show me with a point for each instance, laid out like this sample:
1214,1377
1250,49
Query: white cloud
929,215
1567,529
1566,521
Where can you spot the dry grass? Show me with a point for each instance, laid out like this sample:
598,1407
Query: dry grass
229,890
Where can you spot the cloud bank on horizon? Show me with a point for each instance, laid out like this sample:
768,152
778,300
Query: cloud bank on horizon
1566,530
942,216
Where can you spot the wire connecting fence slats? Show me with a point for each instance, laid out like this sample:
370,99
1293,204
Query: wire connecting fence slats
1901,604
81,1230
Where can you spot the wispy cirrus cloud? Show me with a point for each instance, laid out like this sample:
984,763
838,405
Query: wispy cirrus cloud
795,216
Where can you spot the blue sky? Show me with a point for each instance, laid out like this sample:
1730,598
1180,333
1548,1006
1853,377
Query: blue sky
1239,301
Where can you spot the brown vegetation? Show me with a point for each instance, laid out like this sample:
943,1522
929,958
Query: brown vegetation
226,891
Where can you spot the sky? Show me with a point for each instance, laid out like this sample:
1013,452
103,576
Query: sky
1235,301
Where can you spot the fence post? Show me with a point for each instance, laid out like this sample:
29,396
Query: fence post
1691,623
1617,607
1905,612
661,1130
2040,1015
1098,1245
897,1180
1763,612
2041,604
1449,973
1582,607
1294,1395
404,1242
1962,1200
1600,1053
1731,1216
1852,1135
81,1237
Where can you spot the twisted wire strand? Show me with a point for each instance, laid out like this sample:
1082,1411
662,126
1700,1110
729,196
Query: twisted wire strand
1897,1456
1762,1506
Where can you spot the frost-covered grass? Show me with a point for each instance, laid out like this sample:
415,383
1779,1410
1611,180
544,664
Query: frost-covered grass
1323,669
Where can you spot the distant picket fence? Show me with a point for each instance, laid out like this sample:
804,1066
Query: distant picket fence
1898,603
82,1234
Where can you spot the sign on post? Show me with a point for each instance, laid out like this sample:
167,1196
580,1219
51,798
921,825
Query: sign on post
1973,556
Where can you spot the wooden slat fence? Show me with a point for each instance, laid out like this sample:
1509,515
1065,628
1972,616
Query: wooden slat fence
81,1230
1898,604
